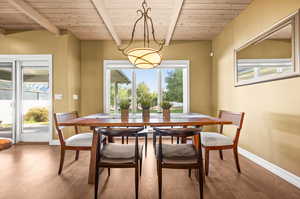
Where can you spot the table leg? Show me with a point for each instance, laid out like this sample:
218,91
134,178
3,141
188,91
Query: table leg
93,158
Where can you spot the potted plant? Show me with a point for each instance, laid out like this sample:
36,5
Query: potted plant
124,106
145,102
165,105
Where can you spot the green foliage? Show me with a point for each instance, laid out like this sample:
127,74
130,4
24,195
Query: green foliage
174,86
166,105
123,92
37,115
124,104
153,97
143,91
145,101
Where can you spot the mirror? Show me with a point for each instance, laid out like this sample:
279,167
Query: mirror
269,56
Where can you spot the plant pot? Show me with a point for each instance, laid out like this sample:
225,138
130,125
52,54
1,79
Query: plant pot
124,114
166,114
146,114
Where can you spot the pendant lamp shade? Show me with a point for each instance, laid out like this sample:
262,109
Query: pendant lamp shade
144,58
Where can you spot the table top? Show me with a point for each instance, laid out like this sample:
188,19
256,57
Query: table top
107,120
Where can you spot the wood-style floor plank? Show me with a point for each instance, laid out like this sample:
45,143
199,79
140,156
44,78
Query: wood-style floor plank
30,171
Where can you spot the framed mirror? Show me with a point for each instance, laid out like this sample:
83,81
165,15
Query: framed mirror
272,55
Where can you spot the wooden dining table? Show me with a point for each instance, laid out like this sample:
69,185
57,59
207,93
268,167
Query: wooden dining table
156,120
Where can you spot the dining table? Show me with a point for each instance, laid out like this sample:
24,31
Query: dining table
105,120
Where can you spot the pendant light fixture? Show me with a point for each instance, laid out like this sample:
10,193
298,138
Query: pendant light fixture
145,57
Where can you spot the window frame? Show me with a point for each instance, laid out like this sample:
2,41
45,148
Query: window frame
125,64
291,19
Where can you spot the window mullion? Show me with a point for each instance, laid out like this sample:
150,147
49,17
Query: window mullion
159,93
133,93
107,90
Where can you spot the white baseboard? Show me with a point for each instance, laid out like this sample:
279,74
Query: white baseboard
284,174
54,143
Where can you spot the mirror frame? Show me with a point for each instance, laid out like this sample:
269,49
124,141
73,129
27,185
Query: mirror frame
291,19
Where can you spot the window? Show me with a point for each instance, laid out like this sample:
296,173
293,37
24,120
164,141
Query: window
168,82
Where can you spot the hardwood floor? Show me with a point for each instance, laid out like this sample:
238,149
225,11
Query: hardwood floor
30,171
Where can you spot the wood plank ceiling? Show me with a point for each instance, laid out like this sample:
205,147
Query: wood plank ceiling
198,20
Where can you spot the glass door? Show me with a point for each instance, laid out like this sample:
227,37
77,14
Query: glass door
35,102
7,99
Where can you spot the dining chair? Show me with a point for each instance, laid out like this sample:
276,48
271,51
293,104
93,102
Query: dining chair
81,141
114,155
217,141
179,156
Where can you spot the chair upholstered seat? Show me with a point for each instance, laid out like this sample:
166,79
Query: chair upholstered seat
81,139
114,153
178,153
215,139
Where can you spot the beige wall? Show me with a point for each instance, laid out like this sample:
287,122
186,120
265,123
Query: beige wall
272,121
94,52
74,69
66,61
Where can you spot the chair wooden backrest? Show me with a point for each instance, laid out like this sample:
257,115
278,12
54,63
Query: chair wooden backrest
237,120
62,117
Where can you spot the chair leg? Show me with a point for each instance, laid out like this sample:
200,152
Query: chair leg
141,165
137,181
177,140
200,179
154,142
96,182
77,155
190,172
157,168
62,158
146,144
221,154
159,182
105,140
172,139
236,157
108,171
122,139
127,140
206,161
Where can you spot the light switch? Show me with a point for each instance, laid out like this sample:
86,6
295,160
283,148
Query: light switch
75,97
58,96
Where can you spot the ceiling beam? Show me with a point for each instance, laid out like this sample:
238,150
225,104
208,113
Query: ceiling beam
175,15
35,15
99,5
